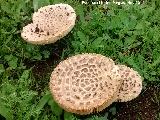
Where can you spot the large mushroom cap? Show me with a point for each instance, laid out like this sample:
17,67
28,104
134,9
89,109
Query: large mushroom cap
131,84
50,23
81,84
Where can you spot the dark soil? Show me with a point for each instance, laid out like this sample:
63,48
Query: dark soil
42,69
144,107
41,72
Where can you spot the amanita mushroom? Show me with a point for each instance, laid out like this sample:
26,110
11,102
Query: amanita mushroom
50,23
131,84
82,83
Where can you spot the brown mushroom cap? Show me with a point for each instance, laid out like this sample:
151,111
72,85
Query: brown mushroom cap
81,84
50,23
131,84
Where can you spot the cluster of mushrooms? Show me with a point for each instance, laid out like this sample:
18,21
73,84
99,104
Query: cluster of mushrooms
84,83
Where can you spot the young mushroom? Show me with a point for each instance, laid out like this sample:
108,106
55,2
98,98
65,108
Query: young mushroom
131,84
82,83
50,23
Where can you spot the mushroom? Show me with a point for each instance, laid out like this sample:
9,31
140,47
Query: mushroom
82,83
50,23
131,83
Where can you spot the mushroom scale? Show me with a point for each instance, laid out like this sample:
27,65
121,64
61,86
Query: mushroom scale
51,23
82,83
131,84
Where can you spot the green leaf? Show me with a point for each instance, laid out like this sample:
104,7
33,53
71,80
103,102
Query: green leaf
5,5
1,68
155,63
129,40
38,56
43,101
97,41
12,61
40,3
8,57
46,54
68,116
25,75
95,117
81,36
56,109
114,119
84,39
140,26
147,11
80,12
113,110
5,112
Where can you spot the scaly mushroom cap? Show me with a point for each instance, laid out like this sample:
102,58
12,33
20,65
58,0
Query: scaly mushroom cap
50,23
131,84
82,83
